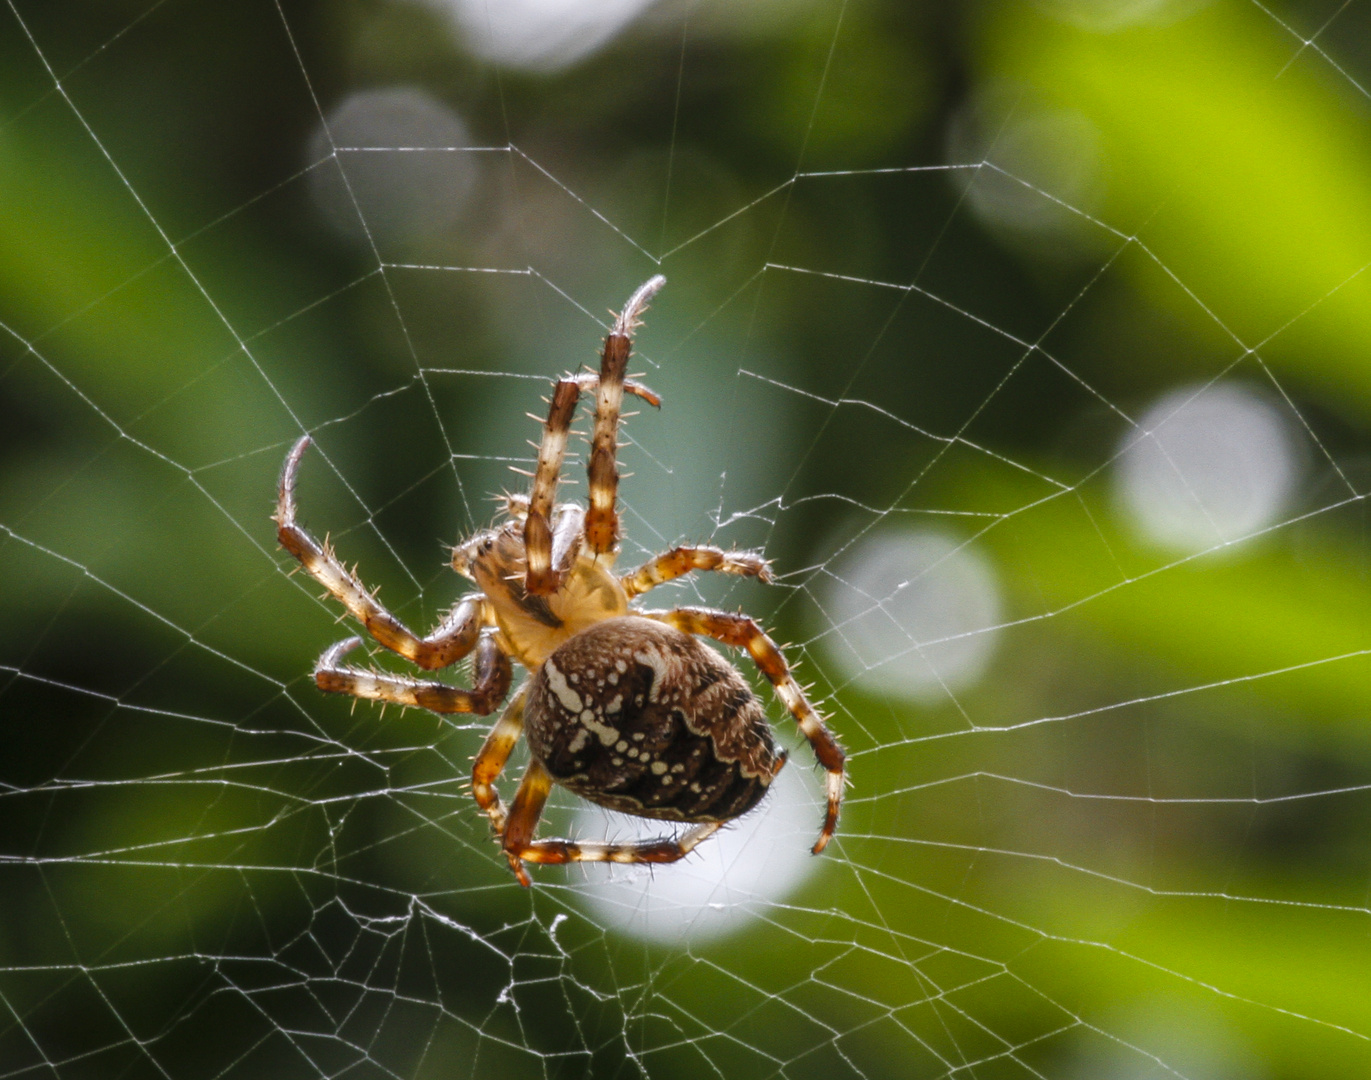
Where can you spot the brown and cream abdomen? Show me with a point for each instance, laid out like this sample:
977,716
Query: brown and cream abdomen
637,716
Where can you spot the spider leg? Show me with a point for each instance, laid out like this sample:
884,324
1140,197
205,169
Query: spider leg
602,519
542,577
539,578
682,560
454,637
490,762
489,685
742,632
590,382
520,847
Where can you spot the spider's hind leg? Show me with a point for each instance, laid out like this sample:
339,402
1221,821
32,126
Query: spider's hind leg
520,847
742,632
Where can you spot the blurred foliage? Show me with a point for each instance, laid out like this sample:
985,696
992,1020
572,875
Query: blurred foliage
1140,839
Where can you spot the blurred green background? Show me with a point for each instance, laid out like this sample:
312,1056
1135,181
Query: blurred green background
936,275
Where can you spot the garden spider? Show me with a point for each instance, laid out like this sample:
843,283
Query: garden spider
623,706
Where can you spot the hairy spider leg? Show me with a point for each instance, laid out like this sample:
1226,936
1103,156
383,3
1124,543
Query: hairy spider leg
453,638
602,518
527,808
542,577
682,560
490,760
490,681
742,632
590,382
539,578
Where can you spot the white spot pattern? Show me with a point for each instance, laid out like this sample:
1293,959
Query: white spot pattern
660,670
556,682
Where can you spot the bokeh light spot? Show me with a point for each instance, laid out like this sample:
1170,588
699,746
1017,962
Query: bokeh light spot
400,172
539,35
1206,466
1041,166
914,614
731,879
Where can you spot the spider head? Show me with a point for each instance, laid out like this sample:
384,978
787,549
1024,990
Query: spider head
587,591
465,555
493,558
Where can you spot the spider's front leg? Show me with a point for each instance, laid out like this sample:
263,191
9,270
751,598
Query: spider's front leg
542,576
520,847
602,518
452,640
610,385
490,682
742,632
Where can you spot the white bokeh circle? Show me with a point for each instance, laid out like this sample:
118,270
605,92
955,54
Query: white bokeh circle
1039,167
729,880
402,170
1206,466
914,614
538,35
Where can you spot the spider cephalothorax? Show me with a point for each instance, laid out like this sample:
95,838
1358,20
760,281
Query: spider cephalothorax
625,707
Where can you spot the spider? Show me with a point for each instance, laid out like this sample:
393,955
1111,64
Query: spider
626,707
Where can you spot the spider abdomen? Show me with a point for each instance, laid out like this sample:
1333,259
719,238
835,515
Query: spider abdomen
637,716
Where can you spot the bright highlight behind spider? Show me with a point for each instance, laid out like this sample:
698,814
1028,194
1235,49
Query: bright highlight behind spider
747,868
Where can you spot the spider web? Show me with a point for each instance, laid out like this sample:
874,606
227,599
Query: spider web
1029,345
